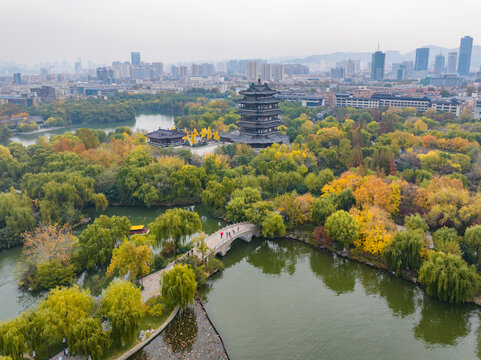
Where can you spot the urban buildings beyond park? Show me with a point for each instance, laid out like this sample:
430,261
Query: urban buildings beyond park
452,62
439,64
259,123
378,101
465,50
422,59
252,71
135,58
377,65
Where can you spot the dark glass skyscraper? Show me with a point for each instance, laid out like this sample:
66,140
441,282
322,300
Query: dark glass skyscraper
377,66
422,59
465,49
135,58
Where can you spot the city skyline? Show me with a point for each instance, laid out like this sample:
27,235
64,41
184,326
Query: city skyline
213,30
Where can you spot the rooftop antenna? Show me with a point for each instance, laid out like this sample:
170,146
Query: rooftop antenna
378,47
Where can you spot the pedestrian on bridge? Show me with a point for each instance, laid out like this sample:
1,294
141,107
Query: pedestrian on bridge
221,233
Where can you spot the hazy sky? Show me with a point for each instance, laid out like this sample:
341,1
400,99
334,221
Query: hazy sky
186,30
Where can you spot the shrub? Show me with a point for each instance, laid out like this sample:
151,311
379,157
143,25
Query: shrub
155,306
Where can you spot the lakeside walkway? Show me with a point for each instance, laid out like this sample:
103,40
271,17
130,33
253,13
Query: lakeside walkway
217,243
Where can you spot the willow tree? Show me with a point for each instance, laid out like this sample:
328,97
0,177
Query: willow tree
472,238
179,286
12,340
63,308
87,338
123,306
404,252
449,278
175,224
130,259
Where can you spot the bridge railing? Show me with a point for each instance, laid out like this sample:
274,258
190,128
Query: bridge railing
228,226
226,240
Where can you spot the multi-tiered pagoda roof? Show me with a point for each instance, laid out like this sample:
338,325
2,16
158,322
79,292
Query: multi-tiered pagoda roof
259,124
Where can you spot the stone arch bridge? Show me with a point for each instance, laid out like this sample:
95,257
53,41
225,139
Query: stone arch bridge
219,245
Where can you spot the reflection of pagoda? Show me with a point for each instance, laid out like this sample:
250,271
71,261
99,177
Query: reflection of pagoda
259,124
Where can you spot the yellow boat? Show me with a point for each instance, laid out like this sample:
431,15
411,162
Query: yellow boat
138,229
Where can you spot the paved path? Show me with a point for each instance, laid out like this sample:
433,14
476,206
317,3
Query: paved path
215,241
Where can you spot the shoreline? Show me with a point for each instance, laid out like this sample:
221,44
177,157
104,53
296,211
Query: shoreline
347,255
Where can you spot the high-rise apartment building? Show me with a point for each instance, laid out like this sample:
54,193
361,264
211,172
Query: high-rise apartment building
160,67
174,72
277,72
452,62
252,71
183,71
196,70
439,64
135,58
266,72
138,72
464,61
422,59
207,69
377,65
105,75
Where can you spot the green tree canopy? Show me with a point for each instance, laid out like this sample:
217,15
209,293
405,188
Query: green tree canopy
448,277
63,308
416,222
322,208
404,252
122,304
175,224
88,339
273,225
472,238
98,240
179,286
12,340
342,228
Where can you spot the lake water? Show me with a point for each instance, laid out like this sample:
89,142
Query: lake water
142,122
284,300
13,301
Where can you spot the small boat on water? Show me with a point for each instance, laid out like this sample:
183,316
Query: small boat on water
138,229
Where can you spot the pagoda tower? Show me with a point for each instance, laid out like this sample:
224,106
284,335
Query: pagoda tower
259,123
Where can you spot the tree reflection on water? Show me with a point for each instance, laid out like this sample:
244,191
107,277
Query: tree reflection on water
181,333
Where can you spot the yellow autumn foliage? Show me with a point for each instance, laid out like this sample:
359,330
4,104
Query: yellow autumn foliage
375,229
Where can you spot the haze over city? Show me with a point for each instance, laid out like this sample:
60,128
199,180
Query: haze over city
188,30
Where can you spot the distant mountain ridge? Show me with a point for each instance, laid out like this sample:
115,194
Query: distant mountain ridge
392,56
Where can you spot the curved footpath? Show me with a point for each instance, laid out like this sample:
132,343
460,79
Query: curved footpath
151,282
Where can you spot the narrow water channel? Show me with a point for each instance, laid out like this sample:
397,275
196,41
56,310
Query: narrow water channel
13,301
281,299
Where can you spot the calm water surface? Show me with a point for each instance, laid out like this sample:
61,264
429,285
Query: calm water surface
13,301
284,300
141,122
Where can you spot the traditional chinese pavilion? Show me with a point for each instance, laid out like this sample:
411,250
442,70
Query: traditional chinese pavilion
163,137
259,123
